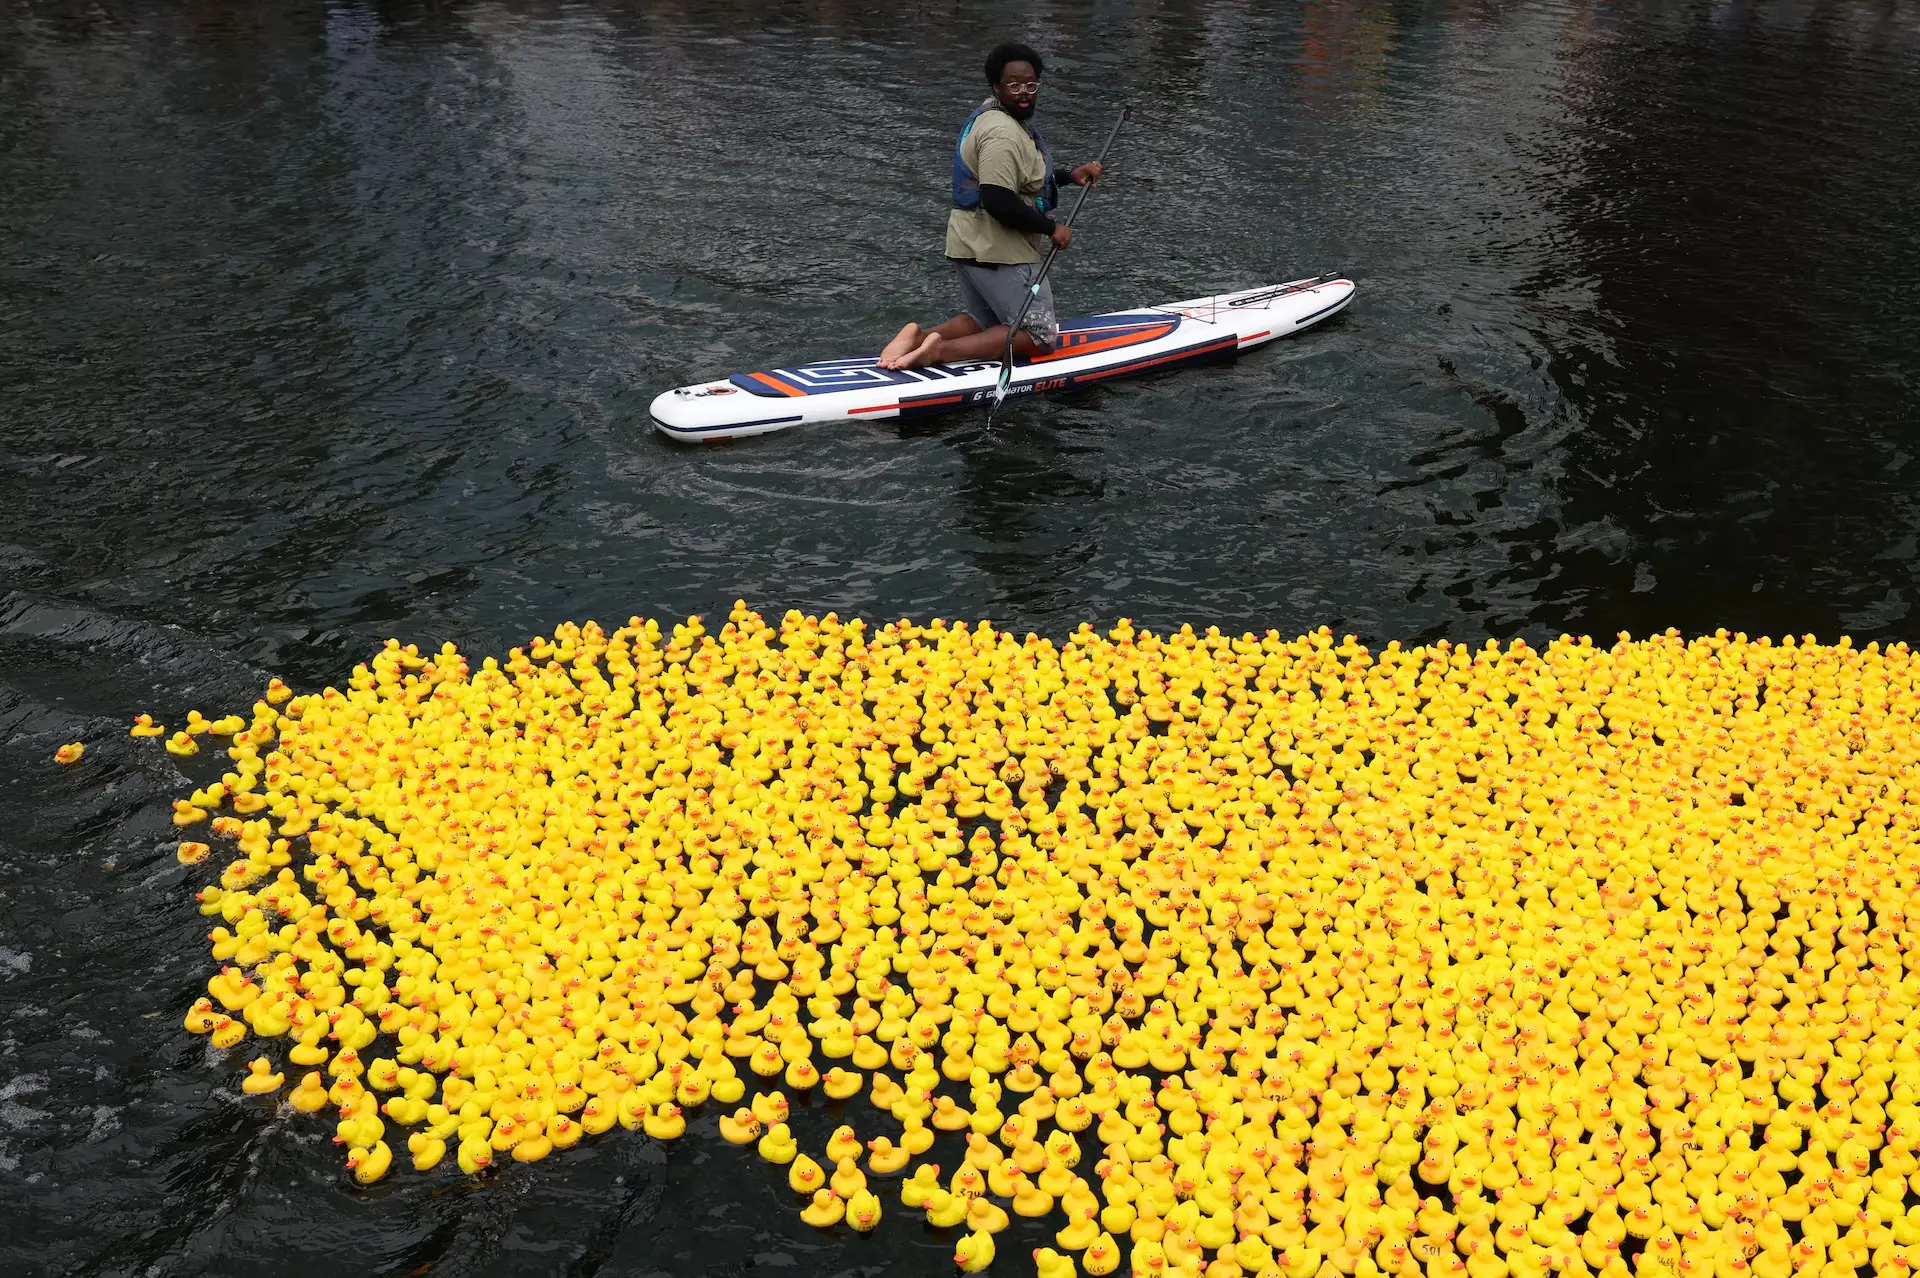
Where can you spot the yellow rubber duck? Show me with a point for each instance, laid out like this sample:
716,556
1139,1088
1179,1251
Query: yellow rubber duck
841,1084
1054,1178
778,1145
310,1049
405,1111
1182,1251
1039,1105
770,1108
946,1209
805,1176
825,1211
842,1144
474,1156
973,1253
1215,1232
693,1089
916,1138
1485,1262
563,1132
1079,1233
532,1148
369,1163
885,1158
260,1078
1079,1198
915,1107
981,1153
361,1127
427,1151
986,1216
361,1033
740,1127
1300,1262
1102,1256
885,1092
1048,1263
967,1181
310,1096
665,1123
847,1179
863,1212
599,1115
949,1117
916,1189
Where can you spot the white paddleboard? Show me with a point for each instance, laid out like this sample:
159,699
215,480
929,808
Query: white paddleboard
1091,350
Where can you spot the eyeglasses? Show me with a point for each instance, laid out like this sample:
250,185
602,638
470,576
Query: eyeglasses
1020,86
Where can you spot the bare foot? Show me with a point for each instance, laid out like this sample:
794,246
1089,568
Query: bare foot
928,352
905,341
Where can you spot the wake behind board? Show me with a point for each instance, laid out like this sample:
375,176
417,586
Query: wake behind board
1093,350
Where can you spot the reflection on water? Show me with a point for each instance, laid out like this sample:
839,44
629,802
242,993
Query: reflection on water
323,324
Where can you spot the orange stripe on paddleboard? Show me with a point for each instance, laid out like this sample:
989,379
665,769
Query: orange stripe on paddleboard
777,384
1130,338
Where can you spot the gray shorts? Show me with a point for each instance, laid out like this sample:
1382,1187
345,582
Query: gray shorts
994,295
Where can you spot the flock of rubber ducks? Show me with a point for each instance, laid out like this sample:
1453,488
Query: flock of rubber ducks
1220,956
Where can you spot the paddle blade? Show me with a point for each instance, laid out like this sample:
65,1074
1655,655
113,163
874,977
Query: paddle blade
999,392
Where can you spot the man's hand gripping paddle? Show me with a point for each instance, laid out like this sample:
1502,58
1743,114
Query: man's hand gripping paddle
1033,291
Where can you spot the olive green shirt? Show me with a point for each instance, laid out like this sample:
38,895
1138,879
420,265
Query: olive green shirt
1000,152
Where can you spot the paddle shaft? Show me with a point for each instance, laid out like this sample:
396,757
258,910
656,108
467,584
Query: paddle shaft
1033,290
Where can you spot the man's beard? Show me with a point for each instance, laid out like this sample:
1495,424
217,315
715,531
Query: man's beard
1019,112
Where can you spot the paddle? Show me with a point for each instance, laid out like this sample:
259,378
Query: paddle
1033,291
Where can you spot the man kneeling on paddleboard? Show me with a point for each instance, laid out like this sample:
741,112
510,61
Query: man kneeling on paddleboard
1004,185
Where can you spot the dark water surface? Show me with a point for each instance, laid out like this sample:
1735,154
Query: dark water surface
320,325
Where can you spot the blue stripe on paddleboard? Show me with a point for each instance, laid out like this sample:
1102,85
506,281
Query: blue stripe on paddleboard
1323,310
701,430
